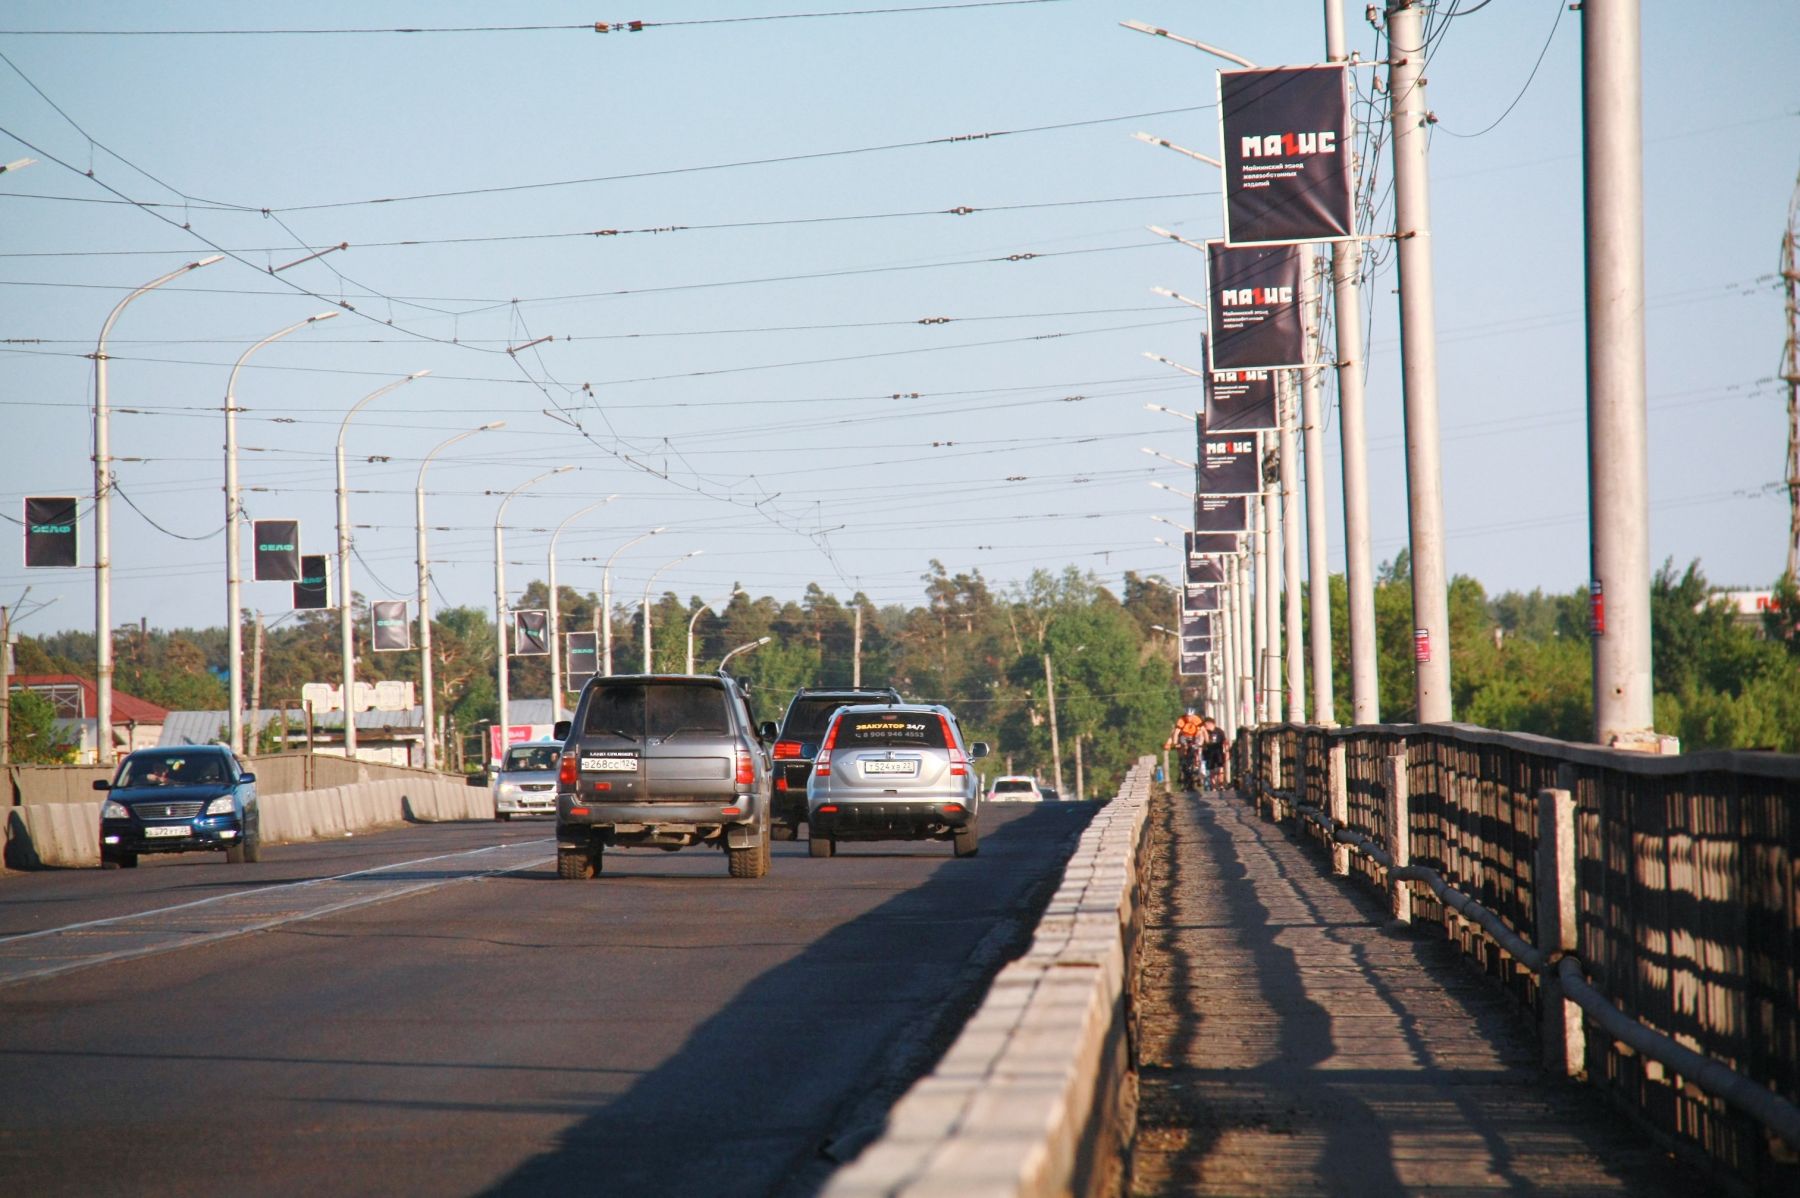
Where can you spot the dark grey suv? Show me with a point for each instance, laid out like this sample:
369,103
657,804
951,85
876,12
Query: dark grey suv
663,761
797,743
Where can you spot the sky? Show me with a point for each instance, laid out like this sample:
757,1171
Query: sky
722,266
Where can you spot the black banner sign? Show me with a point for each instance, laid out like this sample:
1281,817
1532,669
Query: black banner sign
1228,463
1222,513
1205,570
51,527
1285,135
1196,626
312,590
1199,544
1204,598
1195,665
1253,312
277,550
1240,401
531,633
392,630
583,656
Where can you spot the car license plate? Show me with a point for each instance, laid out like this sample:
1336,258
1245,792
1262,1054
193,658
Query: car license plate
611,763
167,830
890,767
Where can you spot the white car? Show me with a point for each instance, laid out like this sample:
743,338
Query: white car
1015,788
525,783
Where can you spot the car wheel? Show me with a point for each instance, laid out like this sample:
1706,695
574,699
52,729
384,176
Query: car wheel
967,840
786,832
502,816
234,853
576,864
752,862
108,861
819,846
127,860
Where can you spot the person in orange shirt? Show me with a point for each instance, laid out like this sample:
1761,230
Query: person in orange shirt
1186,737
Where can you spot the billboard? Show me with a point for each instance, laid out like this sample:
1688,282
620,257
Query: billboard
51,530
392,630
1195,664
1205,570
531,633
277,544
1253,307
1228,463
1284,133
1194,599
1200,544
1240,401
583,657
312,590
1222,513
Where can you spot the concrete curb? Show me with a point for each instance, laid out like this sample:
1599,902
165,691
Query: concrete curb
68,834
1029,1099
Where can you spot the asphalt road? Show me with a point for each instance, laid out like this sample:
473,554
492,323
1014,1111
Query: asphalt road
446,1029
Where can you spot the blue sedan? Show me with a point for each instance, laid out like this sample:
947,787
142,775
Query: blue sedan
196,798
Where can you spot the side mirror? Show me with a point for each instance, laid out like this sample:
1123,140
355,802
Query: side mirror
561,729
767,730
246,778
102,784
477,779
978,750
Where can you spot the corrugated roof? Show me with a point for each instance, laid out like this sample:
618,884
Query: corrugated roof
126,709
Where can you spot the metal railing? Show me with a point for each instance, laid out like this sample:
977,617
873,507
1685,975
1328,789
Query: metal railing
1653,901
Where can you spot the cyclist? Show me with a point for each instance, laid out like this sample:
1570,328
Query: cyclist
1213,748
1186,737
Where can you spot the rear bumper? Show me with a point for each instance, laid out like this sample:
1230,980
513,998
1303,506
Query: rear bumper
737,820
912,819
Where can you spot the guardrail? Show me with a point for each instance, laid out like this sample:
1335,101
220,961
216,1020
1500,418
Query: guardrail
276,773
1652,900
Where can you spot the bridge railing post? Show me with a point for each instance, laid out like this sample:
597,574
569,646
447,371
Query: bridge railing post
1399,831
1563,1034
1338,795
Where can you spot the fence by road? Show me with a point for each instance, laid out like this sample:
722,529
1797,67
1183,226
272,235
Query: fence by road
276,773
1659,893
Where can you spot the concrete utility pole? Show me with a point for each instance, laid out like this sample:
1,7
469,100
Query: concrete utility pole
5,685
1055,743
1244,694
1270,580
1790,359
1359,573
606,637
1318,576
1418,358
1259,578
856,650
1618,464
1290,546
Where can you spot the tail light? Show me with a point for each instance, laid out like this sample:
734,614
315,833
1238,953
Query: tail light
568,775
959,761
822,763
746,768
786,749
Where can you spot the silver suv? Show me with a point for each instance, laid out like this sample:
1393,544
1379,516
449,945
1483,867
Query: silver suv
663,761
894,771
524,781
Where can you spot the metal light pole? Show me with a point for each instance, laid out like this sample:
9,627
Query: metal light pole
346,634
424,563
1418,356
606,664
1359,573
1246,689
648,583
501,670
745,648
556,675
1055,740
1318,574
103,654
1290,547
234,637
1618,471
696,616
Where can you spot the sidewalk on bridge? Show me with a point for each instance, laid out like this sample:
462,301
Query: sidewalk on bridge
1291,1042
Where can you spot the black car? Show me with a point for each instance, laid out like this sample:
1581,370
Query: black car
797,743
191,799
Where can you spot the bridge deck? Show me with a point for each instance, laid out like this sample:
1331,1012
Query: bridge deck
1292,1043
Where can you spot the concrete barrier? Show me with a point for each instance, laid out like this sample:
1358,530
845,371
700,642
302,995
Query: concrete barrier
40,835
1033,1097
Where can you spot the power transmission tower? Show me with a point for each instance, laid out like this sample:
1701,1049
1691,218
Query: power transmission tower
1790,373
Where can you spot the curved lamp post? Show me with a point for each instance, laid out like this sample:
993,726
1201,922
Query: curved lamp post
346,619
745,648
234,624
556,675
714,606
500,666
654,575
606,597
429,720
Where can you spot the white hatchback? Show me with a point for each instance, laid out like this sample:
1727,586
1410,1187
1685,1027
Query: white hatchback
1015,788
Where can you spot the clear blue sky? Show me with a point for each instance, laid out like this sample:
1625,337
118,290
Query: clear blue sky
736,377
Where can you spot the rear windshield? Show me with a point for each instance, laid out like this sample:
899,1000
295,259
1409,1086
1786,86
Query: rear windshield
171,769
1006,784
808,718
534,757
656,709
901,729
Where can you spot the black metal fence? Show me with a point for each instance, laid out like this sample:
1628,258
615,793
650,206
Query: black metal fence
1687,897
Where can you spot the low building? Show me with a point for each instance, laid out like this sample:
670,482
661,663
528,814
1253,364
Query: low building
136,723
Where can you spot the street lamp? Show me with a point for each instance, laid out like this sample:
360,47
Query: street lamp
500,668
1188,495
233,578
744,648
1157,453
647,585
606,598
346,635
1175,412
429,721
691,620
556,678
1188,370
103,662
19,163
